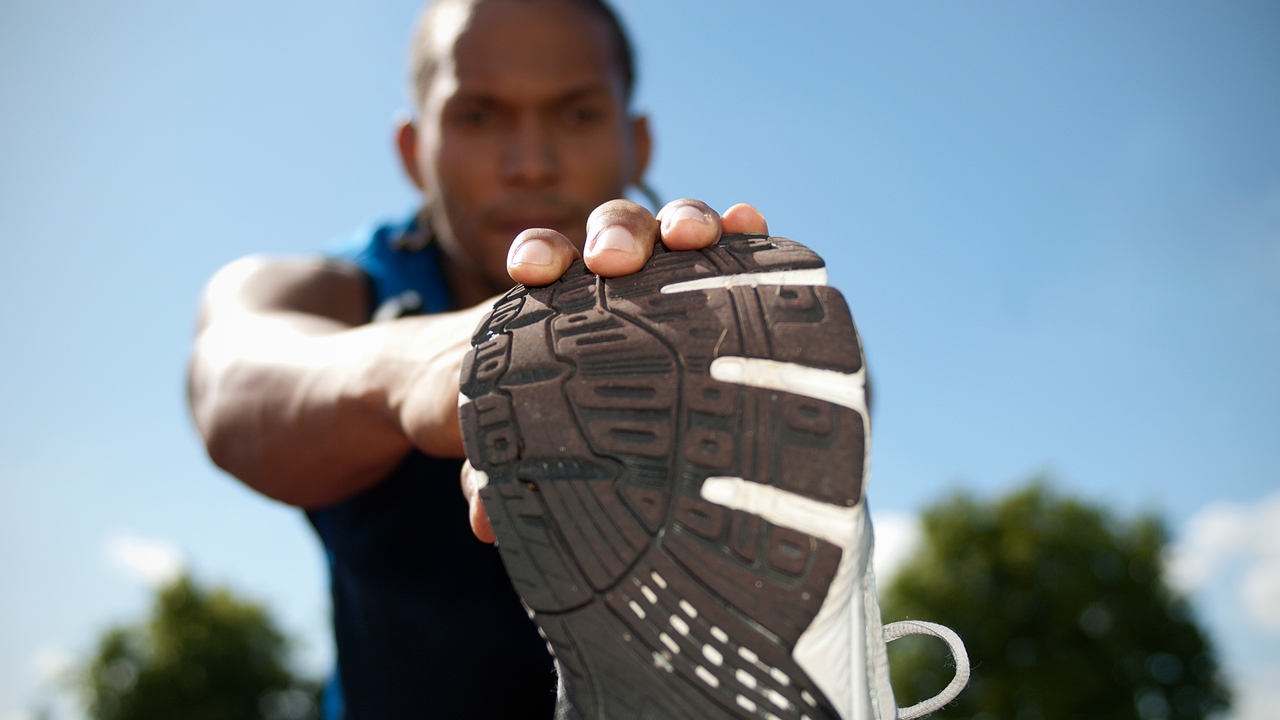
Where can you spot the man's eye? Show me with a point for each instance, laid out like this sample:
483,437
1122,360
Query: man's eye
475,118
584,115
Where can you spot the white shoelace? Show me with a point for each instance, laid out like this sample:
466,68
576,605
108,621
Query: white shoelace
893,631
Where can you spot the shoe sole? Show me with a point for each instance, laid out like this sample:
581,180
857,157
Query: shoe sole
672,459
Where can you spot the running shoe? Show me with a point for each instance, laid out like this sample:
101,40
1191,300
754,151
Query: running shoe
674,463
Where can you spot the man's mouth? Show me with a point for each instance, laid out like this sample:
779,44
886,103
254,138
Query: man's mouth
513,221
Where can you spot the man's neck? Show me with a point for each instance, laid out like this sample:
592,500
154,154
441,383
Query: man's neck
467,286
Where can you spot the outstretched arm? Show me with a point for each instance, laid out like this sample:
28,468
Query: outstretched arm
298,399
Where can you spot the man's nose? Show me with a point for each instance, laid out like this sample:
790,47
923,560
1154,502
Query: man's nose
532,157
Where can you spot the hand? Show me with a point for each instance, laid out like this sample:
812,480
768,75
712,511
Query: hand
472,481
620,239
621,235
430,354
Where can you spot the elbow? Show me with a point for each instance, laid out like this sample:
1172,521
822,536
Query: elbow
302,479
245,433
214,421
230,438
233,450
239,454
229,454
225,426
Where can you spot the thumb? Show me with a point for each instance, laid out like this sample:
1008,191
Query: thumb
472,481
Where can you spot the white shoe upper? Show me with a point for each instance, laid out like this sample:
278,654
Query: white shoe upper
843,649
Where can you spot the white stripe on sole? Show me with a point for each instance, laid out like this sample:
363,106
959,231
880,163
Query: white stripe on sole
825,521
809,276
832,386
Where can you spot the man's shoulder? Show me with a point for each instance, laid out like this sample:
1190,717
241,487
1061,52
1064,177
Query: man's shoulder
325,286
401,261
377,238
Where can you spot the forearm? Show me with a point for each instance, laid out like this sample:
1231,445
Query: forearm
310,412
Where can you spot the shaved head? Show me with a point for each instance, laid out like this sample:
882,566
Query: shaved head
443,21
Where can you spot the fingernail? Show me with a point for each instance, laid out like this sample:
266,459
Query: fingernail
532,253
684,212
613,238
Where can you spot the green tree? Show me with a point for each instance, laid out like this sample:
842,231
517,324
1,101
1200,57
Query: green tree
203,655
1063,609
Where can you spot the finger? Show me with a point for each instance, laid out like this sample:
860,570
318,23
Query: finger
539,257
689,225
472,481
620,237
743,218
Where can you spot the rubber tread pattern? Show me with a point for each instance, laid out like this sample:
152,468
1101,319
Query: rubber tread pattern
593,412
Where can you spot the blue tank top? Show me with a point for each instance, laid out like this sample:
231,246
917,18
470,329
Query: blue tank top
426,622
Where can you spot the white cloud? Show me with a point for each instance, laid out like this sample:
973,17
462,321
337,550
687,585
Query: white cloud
1257,694
1261,592
51,663
1227,535
153,561
897,537
54,694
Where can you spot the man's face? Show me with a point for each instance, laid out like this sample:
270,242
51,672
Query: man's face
524,125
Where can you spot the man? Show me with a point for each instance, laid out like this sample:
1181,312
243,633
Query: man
523,123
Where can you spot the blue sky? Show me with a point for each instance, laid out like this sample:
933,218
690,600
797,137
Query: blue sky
1058,225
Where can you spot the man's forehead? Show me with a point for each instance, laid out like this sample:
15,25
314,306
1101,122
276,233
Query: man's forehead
519,48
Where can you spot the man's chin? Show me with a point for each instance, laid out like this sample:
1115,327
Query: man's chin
567,226
513,218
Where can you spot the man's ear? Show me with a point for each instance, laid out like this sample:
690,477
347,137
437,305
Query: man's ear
407,145
641,147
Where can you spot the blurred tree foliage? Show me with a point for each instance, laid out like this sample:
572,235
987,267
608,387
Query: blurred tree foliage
203,655
1063,609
